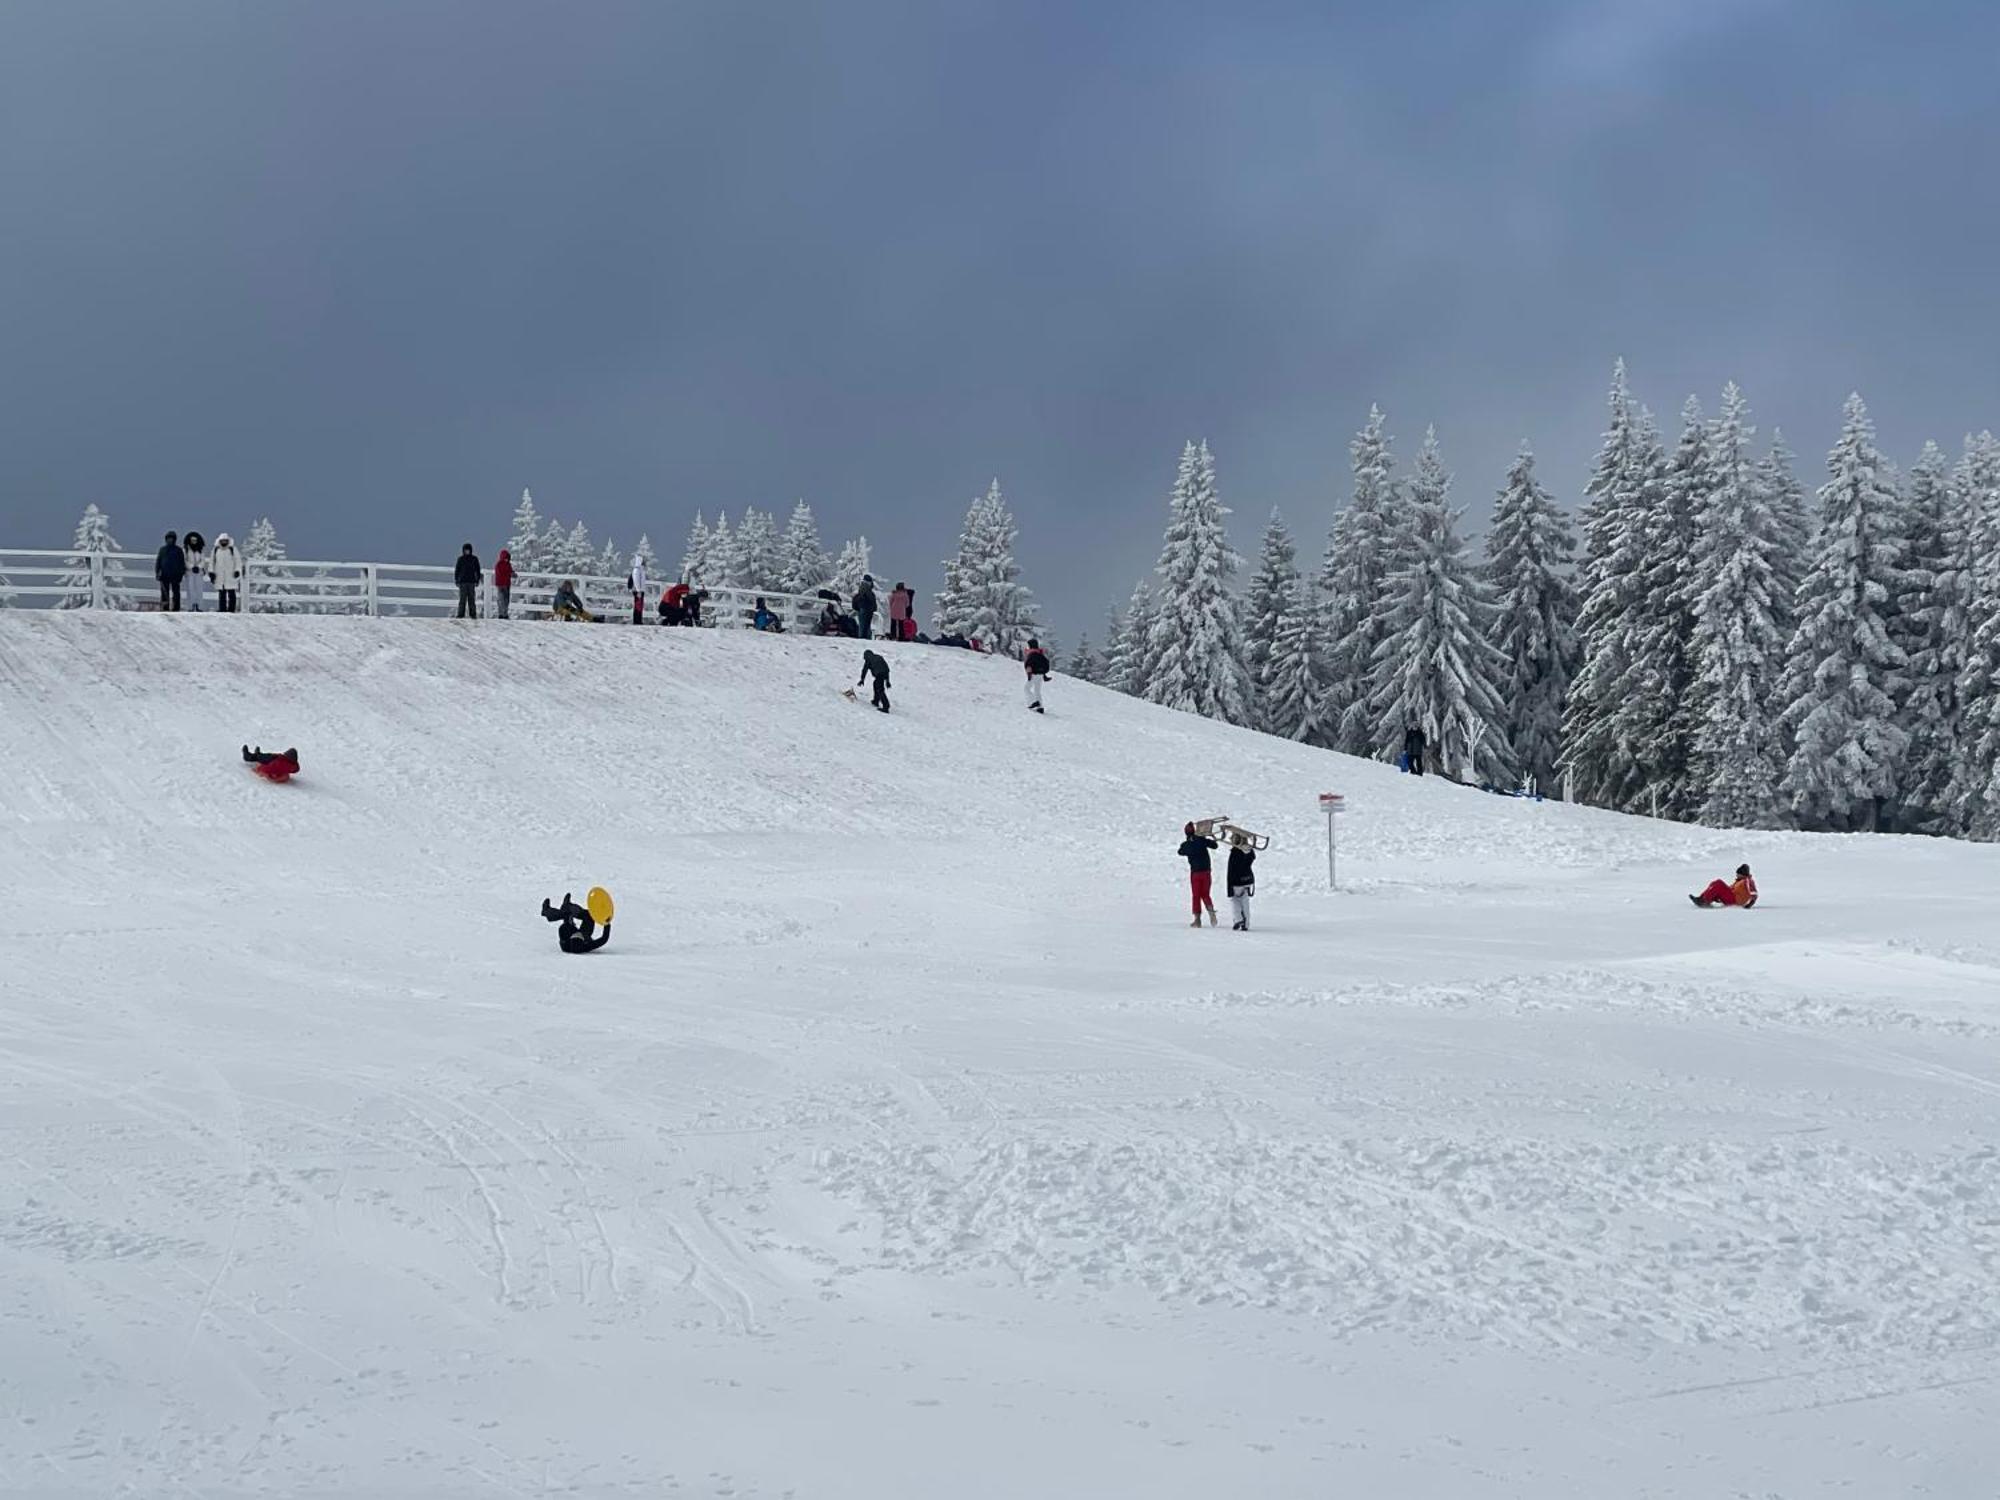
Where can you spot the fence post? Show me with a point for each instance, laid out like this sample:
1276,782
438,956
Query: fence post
486,596
368,578
97,600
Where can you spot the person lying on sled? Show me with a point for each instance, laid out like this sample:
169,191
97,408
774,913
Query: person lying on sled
574,936
1742,891
282,767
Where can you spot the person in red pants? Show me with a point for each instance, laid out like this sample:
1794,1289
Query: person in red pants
1195,850
279,767
1742,891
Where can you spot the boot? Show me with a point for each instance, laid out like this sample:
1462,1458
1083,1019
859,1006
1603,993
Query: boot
1195,923
1696,900
1213,919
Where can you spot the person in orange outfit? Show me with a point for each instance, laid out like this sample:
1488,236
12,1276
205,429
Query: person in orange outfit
1742,891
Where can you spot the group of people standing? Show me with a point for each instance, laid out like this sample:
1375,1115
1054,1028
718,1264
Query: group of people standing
184,563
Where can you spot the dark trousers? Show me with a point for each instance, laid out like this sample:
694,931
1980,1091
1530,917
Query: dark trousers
638,609
468,606
225,601
865,618
881,699
170,595
501,598
1416,761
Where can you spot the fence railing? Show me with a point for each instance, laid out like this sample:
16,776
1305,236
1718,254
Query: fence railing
124,580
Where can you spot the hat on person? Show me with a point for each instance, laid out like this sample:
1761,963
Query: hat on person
1742,869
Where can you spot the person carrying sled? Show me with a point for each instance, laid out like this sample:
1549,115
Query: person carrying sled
468,575
1037,661
874,666
280,768
1242,881
1413,750
574,936
225,571
169,568
865,606
1195,850
1742,891
503,584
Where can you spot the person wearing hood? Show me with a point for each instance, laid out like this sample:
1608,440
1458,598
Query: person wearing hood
1241,880
865,606
503,584
468,575
194,547
169,568
638,582
225,571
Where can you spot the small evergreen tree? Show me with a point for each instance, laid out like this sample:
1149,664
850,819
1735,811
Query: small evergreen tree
93,534
1843,673
1933,629
1791,513
1197,638
1085,663
851,567
719,564
1272,595
1737,648
612,561
1529,553
759,559
554,552
805,565
1296,701
1974,798
694,556
982,596
524,541
1436,667
1129,662
264,591
1362,552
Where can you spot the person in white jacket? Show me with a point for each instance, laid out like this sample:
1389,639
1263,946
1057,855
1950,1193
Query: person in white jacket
638,582
196,549
225,571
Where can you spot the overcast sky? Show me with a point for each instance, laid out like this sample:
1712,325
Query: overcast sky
372,268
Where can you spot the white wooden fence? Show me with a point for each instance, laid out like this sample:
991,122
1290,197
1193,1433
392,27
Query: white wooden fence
124,580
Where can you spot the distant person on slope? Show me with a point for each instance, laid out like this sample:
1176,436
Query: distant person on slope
169,568
637,580
874,666
468,575
1742,891
1195,850
1242,881
225,571
194,547
1037,661
865,606
574,936
503,584
280,768
1413,750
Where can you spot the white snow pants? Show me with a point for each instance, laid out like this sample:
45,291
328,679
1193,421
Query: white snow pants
1239,903
191,589
1034,692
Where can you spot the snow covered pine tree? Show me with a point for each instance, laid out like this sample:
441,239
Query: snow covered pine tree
1529,552
1197,638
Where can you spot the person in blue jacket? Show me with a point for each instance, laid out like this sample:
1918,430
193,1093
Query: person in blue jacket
170,567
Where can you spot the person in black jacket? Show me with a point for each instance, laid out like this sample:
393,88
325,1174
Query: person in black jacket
1413,749
574,936
874,666
468,576
170,567
864,606
1038,673
1195,850
1242,881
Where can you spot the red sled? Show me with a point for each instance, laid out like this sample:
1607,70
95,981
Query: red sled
278,768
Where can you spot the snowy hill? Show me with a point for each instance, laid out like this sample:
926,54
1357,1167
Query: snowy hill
905,1141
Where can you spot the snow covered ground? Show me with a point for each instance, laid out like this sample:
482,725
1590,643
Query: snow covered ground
905,1142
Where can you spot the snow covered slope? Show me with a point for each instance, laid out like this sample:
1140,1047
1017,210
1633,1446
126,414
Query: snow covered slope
905,1141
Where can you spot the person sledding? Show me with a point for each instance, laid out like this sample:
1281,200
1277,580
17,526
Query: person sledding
872,665
1195,849
1742,891
567,603
280,767
578,926
1242,880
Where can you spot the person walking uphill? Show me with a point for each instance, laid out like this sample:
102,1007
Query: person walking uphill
1242,881
865,606
1195,850
874,666
467,575
503,584
1037,661
225,571
170,567
637,580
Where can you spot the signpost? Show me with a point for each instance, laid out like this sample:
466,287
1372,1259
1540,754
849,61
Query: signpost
1332,804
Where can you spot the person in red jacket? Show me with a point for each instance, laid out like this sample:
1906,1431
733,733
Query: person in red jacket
503,583
1742,891
279,768
674,605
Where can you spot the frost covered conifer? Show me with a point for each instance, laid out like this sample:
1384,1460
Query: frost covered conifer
1975,788
758,560
613,561
694,555
555,548
264,591
982,596
1295,698
1737,647
1843,673
805,565
1791,513
524,540
853,564
1197,638
1128,663
1085,663
1272,594
93,534
1530,549
1933,628
1436,667
1362,552
719,565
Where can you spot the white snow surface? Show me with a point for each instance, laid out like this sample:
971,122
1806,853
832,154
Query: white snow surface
905,1142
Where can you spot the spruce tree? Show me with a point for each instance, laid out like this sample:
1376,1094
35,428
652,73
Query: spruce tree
524,540
1791,513
983,596
1974,799
694,554
93,534
1933,628
554,550
264,591
758,555
719,562
1436,667
1295,702
1737,647
1085,664
1197,638
579,552
1129,662
1362,552
1843,673
1272,593
612,561
649,559
1530,550
805,564
851,567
